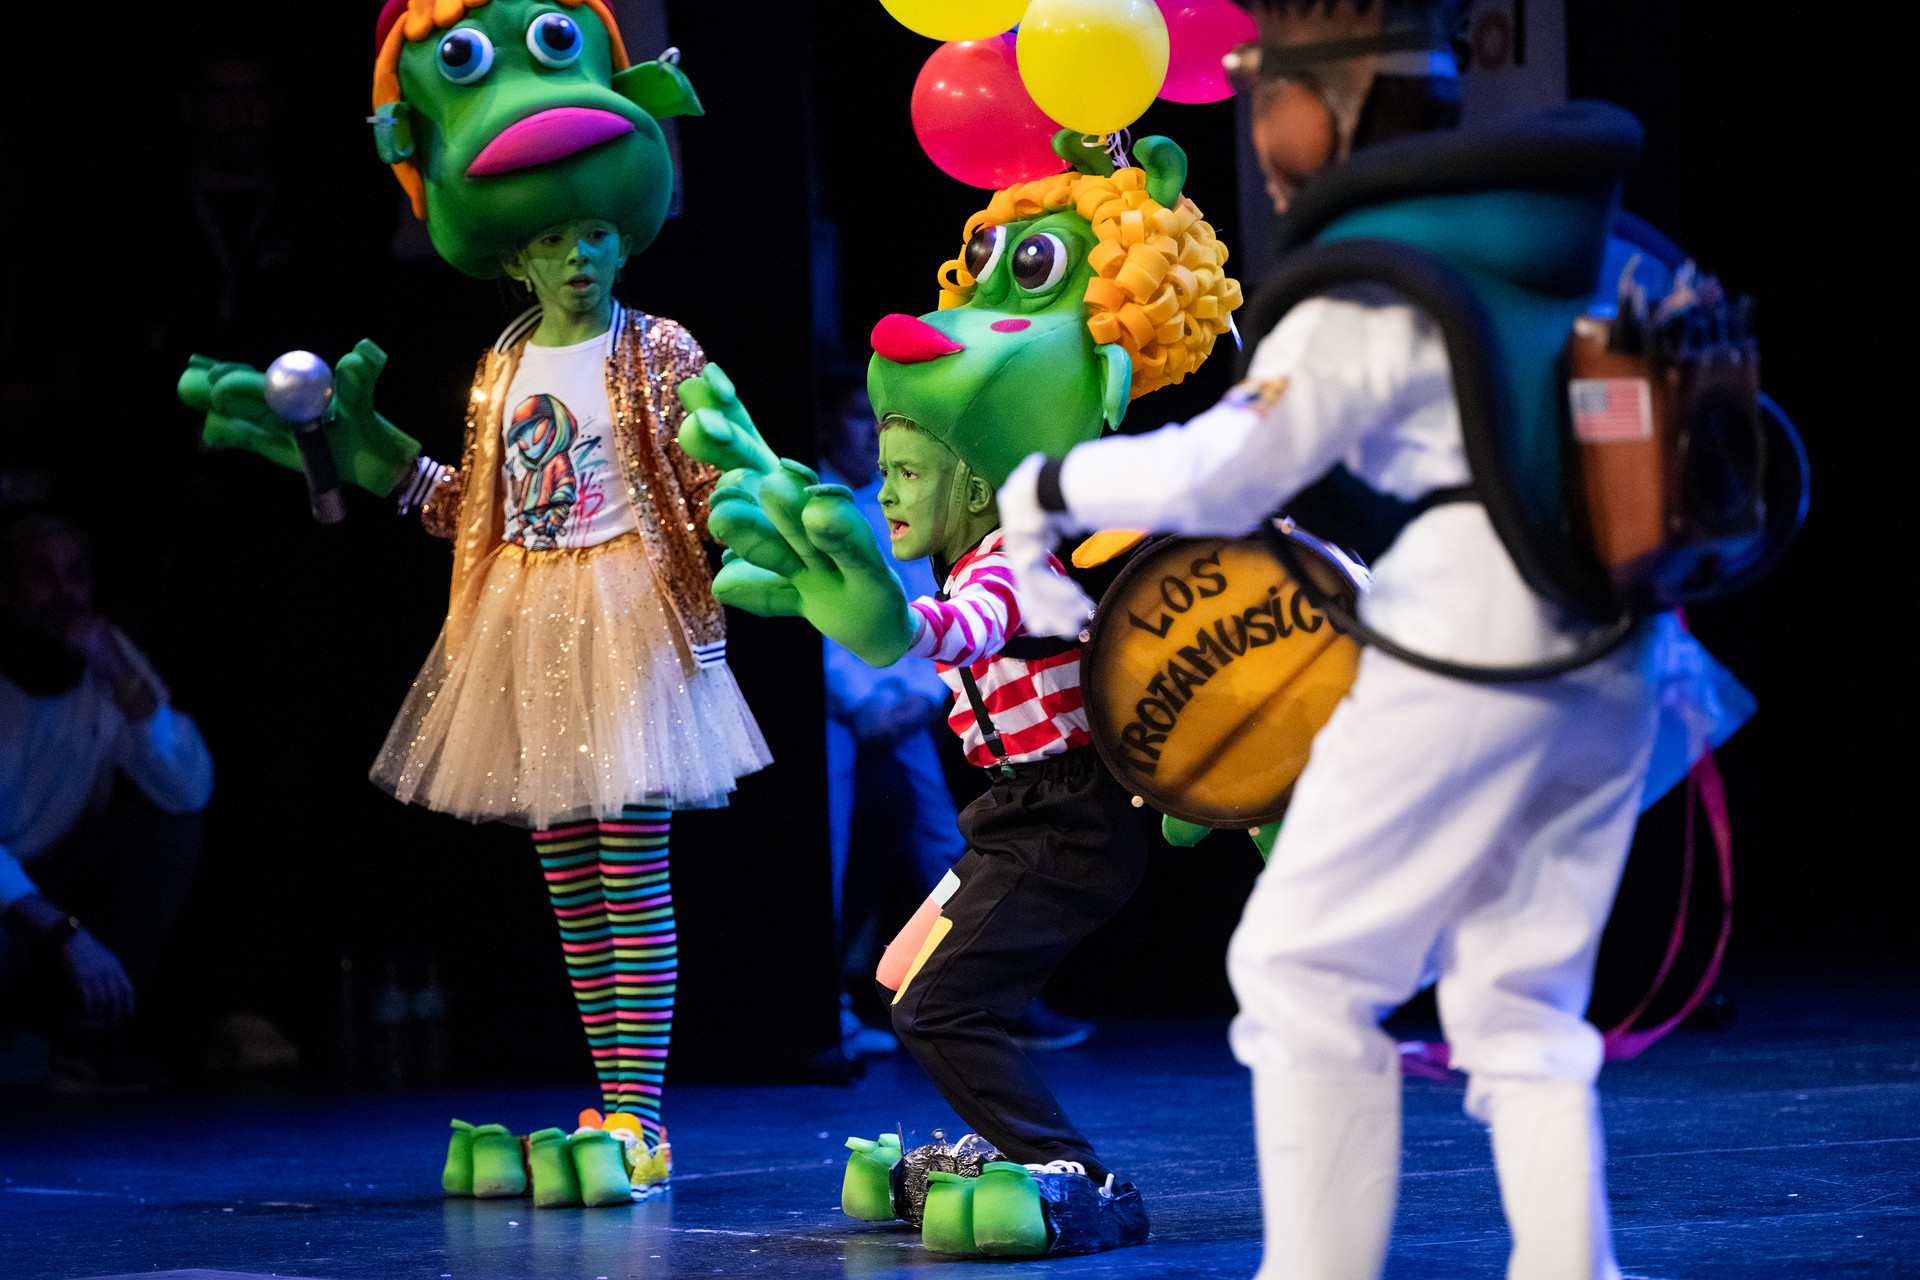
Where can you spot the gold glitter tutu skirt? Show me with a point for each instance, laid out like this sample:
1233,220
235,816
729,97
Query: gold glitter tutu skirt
569,699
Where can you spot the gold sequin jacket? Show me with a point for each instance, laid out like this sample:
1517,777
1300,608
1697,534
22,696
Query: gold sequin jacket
668,489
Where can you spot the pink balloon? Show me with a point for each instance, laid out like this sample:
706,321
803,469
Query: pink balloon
1201,33
976,120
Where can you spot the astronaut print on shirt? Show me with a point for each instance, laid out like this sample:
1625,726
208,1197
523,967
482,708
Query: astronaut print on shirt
563,488
543,484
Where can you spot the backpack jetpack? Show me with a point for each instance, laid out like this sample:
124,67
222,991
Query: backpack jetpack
1608,393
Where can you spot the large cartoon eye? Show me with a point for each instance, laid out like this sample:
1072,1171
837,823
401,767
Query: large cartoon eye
554,40
1040,261
465,55
983,251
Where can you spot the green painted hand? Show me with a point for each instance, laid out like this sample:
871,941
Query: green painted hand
795,546
369,451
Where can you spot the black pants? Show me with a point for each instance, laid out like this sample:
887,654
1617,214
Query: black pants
1051,855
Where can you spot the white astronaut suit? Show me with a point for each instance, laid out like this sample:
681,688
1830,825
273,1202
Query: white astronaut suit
1471,830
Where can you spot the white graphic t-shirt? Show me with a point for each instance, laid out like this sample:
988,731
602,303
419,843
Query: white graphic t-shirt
563,482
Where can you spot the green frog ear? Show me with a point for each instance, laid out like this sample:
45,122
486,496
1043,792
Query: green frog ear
392,131
1117,367
660,88
1166,166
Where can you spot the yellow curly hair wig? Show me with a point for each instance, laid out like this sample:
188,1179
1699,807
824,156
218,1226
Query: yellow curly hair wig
420,19
1160,287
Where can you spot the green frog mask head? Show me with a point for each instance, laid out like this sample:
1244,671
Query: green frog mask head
505,117
1072,295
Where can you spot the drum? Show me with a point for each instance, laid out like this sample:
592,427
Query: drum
1207,672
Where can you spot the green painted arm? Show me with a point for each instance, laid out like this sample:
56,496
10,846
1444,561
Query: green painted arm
795,546
369,451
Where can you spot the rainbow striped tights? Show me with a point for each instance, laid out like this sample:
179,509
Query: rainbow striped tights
608,884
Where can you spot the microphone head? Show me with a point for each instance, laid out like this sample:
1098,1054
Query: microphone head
299,385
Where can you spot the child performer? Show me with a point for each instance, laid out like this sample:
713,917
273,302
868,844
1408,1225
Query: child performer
579,686
1054,847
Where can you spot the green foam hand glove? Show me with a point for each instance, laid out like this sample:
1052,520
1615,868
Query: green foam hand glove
795,546
1181,834
369,451
758,591
1184,835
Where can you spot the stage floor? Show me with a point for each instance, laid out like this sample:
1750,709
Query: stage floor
1788,1146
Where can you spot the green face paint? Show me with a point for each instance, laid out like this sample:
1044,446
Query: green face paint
571,269
515,122
1031,378
933,502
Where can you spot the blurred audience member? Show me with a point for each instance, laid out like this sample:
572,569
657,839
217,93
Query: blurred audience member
99,779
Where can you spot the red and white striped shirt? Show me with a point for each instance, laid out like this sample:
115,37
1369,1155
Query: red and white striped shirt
1034,704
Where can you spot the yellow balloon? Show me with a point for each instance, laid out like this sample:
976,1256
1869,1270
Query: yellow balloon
956,19
1093,65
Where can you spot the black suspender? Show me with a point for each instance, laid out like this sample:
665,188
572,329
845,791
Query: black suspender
980,716
1024,648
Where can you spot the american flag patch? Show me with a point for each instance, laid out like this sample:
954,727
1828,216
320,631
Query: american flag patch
1607,409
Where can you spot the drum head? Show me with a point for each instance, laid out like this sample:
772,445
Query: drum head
1207,674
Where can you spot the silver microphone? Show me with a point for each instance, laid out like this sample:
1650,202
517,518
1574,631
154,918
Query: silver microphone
299,388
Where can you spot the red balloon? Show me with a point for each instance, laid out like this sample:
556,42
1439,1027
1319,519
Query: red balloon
976,120
1200,33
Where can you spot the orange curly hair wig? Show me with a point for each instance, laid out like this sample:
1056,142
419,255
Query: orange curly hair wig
1160,287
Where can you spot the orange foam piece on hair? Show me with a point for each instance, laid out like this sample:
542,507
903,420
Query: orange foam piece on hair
1105,294
1138,326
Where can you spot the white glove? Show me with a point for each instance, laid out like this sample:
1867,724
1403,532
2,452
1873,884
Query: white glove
1051,604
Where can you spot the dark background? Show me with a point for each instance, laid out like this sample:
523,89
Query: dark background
1773,157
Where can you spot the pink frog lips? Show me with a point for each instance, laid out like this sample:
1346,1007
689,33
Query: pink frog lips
910,340
549,135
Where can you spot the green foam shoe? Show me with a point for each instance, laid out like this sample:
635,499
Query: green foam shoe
601,1162
948,1224
1008,1220
497,1166
866,1191
457,1178
555,1184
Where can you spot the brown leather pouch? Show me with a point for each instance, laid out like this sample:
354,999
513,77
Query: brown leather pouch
1667,437
1623,444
